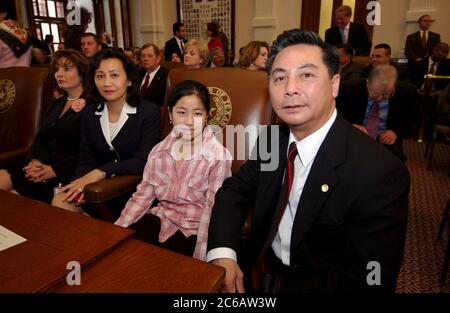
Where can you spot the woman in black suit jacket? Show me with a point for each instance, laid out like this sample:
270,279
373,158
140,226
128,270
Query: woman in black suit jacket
52,157
118,130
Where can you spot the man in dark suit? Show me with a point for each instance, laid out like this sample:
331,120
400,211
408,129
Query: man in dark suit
176,44
153,76
349,70
381,54
395,101
420,44
341,211
436,64
347,32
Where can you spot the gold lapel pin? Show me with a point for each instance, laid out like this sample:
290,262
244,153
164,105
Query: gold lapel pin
325,188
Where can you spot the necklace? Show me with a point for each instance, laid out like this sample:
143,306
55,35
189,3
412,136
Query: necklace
73,99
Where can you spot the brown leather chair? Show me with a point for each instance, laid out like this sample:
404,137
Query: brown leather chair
239,97
24,95
171,65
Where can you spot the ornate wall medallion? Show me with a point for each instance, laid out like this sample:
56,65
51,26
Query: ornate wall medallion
7,95
221,107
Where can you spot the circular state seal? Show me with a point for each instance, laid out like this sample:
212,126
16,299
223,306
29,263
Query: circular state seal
7,95
221,107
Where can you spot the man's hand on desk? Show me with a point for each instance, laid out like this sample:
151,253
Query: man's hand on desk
234,278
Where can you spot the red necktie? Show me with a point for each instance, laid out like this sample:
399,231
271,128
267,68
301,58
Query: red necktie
283,203
373,120
144,87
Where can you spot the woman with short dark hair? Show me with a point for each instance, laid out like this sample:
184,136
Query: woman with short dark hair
117,133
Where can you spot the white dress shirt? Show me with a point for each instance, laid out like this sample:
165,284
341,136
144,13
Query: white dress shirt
151,76
106,125
180,44
307,150
344,33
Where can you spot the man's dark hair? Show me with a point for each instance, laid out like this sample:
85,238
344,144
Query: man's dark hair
384,46
212,27
348,48
97,40
420,18
176,27
330,55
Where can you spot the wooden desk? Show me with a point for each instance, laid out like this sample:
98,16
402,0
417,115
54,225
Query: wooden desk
110,260
136,266
54,238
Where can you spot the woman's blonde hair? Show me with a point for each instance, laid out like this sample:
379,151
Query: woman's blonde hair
202,49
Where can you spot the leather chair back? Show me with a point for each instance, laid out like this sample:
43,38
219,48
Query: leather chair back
24,93
239,97
169,65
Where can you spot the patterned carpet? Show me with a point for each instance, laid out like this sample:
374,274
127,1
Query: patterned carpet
429,192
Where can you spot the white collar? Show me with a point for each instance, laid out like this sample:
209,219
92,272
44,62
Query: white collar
153,73
104,120
308,147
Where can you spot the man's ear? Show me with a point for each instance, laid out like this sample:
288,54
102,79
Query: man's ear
335,81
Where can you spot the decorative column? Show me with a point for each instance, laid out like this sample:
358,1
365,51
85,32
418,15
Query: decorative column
118,19
417,8
264,21
151,26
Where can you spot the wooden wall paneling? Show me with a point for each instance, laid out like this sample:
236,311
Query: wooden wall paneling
310,19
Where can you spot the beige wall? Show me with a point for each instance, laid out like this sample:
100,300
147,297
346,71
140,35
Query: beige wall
286,15
394,28
155,18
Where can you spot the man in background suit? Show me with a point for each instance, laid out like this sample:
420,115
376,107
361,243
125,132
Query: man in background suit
420,44
153,77
176,44
437,64
90,45
395,100
344,201
347,32
349,70
381,54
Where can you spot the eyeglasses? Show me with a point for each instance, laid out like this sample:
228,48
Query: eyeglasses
381,96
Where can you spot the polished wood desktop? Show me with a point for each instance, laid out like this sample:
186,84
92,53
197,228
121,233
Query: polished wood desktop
55,237
136,266
111,261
